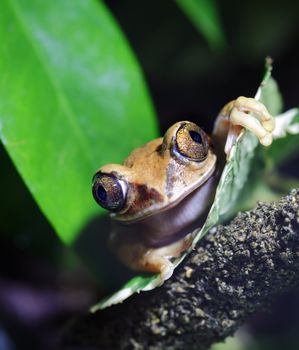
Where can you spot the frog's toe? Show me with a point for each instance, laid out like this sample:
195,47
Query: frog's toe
166,270
250,105
266,140
259,121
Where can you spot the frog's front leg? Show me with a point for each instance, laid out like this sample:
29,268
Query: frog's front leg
243,113
136,255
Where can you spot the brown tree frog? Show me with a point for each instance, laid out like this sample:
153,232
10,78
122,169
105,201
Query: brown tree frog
164,189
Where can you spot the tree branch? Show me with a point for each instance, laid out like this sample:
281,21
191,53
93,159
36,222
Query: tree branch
236,270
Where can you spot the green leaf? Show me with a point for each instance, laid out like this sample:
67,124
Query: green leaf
205,17
72,98
263,182
133,286
286,138
232,181
271,97
230,343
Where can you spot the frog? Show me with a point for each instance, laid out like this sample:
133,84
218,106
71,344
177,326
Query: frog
164,189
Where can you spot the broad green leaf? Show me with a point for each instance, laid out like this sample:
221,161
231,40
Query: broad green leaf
205,17
232,181
72,98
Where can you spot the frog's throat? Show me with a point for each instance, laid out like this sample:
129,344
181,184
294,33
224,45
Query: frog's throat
161,207
174,223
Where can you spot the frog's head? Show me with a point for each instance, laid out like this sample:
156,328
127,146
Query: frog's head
157,176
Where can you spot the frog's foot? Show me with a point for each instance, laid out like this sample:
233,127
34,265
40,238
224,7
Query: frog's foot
159,259
259,121
159,264
137,256
141,258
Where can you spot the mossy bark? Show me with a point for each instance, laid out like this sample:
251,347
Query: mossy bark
236,270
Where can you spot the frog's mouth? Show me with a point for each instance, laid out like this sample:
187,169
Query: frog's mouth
165,204
171,224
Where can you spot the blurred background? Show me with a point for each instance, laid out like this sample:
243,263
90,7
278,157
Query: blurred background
42,283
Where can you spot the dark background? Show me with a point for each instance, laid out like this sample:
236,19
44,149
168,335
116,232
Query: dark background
42,284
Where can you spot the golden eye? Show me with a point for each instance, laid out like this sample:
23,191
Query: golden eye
191,142
109,192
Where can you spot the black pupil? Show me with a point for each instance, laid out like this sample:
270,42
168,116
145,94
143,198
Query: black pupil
102,194
195,136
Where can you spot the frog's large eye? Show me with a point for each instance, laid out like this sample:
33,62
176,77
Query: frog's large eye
109,191
191,142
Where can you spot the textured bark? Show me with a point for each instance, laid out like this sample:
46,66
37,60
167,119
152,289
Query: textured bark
236,270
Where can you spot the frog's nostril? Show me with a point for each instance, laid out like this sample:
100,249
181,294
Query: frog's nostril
195,136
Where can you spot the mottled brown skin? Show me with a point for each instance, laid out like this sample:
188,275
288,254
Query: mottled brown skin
157,179
168,192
